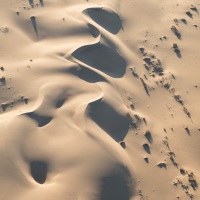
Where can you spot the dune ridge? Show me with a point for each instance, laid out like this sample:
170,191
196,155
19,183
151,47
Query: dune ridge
99,100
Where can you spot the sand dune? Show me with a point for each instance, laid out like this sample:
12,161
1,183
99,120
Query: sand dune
99,99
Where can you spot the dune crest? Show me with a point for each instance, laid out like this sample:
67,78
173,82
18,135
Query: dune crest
99,100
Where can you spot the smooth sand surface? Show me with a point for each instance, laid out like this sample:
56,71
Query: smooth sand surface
99,99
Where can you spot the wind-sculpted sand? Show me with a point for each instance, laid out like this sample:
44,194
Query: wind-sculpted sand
99,99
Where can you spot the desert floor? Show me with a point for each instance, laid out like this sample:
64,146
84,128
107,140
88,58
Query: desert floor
99,99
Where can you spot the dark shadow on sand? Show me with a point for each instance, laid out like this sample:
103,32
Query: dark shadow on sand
33,21
107,19
89,75
42,3
113,123
41,120
38,171
93,30
102,58
117,185
31,3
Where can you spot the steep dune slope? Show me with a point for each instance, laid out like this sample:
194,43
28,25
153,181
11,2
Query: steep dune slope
99,99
